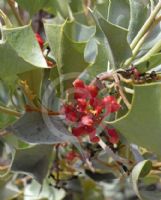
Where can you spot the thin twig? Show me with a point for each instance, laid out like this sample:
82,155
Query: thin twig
16,14
117,81
9,111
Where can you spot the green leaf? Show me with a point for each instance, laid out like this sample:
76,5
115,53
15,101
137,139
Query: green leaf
119,13
116,41
23,41
33,161
103,8
51,6
101,62
141,125
139,14
33,6
68,52
33,79
24,55
153,61
140,170
34,127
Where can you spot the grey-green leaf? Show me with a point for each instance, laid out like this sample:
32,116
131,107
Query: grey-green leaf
33,161
116,41
34,127
119,13
139,14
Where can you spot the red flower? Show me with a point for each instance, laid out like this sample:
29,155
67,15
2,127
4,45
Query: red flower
39,39
88,110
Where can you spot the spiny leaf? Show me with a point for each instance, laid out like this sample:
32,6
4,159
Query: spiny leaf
24,55
119,13
33,161
68,52
141,125
115,41
35,127
139,14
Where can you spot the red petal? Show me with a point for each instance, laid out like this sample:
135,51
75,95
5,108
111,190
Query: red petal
82,105
80,93
72,116
87,120
78,131
93,90
78,83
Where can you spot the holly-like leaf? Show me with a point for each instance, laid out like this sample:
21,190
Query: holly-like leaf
101,62
115,41
103,8
119,13
139,171
141,125
34,127
139,14
33,161
33,79
23,41
52,6
24,54
33,6
68,48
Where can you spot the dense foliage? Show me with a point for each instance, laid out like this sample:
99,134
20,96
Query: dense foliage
80,99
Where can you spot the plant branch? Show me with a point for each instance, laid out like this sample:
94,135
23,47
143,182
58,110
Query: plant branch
155,49
9,111
117,81
16,14
147,25
141,42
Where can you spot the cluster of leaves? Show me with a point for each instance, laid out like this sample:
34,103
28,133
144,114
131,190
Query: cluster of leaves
112,50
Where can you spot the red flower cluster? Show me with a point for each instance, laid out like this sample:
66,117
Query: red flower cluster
87,111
